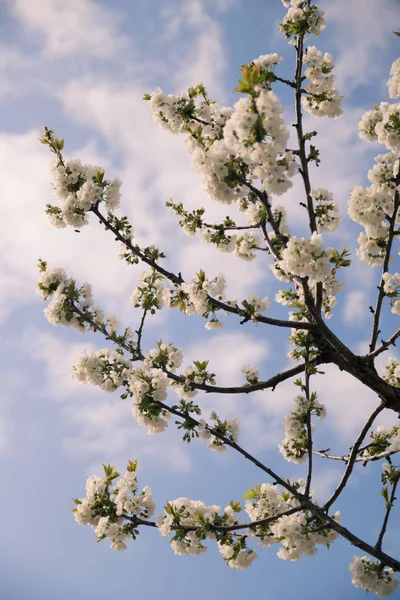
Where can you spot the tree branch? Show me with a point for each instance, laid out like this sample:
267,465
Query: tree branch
353,455
218,528
136,352
363,459
178,279
387,514
385,268
385,345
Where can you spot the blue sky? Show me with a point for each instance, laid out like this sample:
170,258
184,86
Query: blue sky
81,67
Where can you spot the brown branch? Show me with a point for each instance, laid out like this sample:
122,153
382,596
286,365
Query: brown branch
353,455
305,502
178,279
385,268
385,345
389,507
363,459
137,354
218,528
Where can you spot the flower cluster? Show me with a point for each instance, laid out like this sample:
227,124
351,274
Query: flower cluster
302,17
192,522
256,132
114,510
254,306
394,80
391,288
253,211
306,258
165,356
196,375
236,554
371,206
246,244
324,99
193,297
148,294
229,429
382,124
373,577
53,283
262,502
77,188
267,61
294,446
299,540
297,536
250,373
72,306
393,372
383,441
326,210
108,369
148,388
230,148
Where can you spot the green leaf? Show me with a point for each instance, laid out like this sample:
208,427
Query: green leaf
132,466
251,494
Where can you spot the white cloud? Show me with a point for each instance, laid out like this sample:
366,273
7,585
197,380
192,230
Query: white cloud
325,481
105,431
98,425
362,29
348,403
73,27
356,308
26,233
204,61
7,435
156,167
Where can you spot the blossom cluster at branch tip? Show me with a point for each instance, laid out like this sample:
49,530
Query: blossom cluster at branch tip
394,80
193,297
79,187
326,210
302,17
391,288
72,306
250,373
231,148
324,99
373,576
382,124
108,369
112,508
306,258
149,293
295,445
371,207
229,429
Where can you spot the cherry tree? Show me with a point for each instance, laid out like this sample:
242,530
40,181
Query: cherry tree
244,158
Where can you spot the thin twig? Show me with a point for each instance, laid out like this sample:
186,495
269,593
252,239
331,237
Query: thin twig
363,459
218,528
137,354
389,507
385,345
178,279
385,268
353,455
308,422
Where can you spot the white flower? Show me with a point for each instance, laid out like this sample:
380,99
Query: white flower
394,80
372,577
